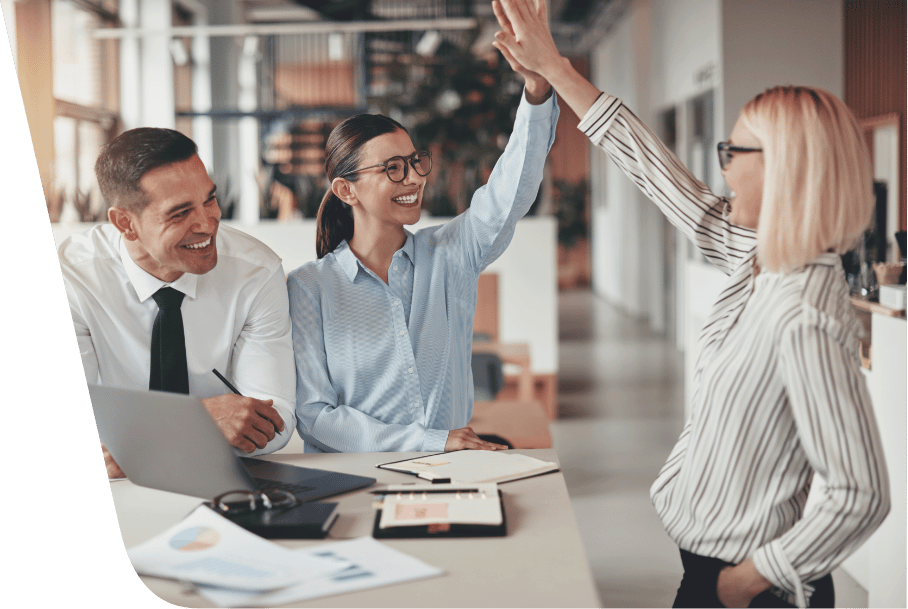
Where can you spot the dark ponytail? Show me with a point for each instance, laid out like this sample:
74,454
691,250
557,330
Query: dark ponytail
334,222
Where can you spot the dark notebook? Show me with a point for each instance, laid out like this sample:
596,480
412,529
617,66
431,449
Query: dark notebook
310,520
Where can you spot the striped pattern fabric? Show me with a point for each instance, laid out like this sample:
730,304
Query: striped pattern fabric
386,367
778,392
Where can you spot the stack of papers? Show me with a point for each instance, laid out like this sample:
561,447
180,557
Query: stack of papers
231,566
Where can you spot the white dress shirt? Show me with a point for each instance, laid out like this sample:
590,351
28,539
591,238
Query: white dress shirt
235,319
778,392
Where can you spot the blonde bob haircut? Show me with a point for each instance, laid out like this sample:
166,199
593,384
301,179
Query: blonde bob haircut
817,184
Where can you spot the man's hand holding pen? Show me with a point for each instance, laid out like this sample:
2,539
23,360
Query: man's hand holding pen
247,423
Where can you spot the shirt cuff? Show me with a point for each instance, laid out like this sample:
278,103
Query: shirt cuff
435,440
599,117
537,112
772,563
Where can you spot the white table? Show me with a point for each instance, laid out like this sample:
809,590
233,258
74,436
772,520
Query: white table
540,563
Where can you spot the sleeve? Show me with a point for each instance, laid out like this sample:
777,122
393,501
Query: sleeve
837,430
477,237
321,420
83,336
686,202
263,356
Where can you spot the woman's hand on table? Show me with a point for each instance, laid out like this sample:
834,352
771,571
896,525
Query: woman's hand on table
466,439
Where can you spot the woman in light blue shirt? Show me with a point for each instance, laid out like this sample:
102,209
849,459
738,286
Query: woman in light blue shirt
383,320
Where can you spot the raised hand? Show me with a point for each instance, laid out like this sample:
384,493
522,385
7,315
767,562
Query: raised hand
538,88
525,35
525,41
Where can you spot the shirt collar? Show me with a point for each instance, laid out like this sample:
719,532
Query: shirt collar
409,248
350,264
146,284
827,259
347,260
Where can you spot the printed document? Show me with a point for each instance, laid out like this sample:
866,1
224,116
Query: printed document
370,564
206,548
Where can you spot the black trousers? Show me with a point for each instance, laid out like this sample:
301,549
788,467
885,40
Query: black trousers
701,574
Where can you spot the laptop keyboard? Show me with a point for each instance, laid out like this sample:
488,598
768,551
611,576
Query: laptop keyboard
293,489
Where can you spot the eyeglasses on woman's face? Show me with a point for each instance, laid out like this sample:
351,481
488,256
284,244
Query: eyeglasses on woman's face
726,153
398,167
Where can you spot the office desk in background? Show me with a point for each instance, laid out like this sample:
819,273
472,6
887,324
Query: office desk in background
540,563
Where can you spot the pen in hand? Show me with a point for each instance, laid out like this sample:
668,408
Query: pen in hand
236,391
225,381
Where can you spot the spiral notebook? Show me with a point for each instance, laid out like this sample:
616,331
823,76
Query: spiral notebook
439,510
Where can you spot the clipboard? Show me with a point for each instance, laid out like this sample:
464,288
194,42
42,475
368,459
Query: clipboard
440,510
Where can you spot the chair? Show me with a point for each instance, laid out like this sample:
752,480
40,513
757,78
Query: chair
488,379
488,376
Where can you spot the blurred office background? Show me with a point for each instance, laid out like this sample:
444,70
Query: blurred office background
596,306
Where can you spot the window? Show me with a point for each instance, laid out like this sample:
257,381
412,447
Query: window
86,101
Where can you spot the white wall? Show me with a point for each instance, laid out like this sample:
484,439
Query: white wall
885,551
528,292
686,45
779,42
618,239
653,59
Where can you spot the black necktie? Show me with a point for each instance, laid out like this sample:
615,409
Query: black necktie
168,345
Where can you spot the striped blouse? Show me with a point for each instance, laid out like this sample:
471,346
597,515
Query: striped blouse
778,393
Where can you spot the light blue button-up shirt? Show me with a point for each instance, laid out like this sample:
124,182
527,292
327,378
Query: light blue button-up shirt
386,367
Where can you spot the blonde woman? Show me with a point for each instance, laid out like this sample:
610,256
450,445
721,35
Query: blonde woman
779,394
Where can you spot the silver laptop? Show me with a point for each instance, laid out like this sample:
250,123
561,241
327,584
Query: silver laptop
168,441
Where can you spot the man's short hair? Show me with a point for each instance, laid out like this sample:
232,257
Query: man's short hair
129,156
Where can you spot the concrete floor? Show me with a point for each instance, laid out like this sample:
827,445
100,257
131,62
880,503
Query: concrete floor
620,399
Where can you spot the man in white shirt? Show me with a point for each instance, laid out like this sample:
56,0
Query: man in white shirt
164,233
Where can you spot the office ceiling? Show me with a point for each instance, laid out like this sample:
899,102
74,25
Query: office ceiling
576,24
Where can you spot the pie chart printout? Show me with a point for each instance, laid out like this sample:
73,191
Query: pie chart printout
194,539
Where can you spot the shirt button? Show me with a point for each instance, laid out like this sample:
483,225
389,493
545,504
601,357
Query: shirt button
410,370
394,267
401,332
396,302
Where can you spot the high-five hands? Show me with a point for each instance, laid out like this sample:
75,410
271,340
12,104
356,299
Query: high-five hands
466,438
525,41
525,38
538,88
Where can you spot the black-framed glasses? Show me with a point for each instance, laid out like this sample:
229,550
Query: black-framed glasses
726,152
398,167
239,502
